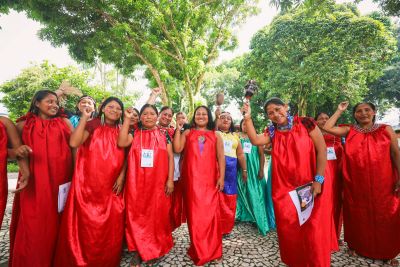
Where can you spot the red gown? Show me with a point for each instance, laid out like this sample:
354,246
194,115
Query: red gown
200,174
148,228
371,212
3,171
35,219
92,226
293,165
335,167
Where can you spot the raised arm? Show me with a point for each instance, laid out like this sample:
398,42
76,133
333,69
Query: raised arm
255,139
221,162
79,135
179,139
124,138
155,92
320,149
330,125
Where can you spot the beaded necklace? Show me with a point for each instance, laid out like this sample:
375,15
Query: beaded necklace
373,128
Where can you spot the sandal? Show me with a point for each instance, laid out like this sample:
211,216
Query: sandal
135,261
351,252
393,262
152,263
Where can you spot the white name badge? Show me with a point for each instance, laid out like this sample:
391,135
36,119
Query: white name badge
147,158
331,155
247,147
227,146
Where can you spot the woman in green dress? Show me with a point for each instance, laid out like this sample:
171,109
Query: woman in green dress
254,202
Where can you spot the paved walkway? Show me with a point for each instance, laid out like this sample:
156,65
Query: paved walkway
245,247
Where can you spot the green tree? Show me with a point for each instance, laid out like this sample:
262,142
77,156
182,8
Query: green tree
316,59
19,91
175,40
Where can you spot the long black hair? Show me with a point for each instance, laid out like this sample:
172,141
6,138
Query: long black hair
108,100
166,108
38,97
320,113
231,126
372,106
210,125
273,100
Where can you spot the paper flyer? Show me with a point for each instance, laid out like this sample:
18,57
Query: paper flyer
303,200
63,191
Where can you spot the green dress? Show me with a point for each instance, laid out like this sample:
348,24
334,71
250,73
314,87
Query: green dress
254,203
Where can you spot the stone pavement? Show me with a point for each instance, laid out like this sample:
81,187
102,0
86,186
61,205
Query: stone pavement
245,247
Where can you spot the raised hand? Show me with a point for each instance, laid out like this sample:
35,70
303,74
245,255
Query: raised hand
246,110
156,91
129,113
343,105
87,112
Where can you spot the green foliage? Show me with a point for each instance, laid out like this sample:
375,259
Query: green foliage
19,91
176,40
12,167
317,59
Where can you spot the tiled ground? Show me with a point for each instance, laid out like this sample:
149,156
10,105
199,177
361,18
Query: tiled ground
245,247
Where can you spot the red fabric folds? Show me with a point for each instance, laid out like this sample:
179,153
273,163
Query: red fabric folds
148,228
335,169
228,212
3,171
92,226
178,215
371,212
200,174
35,219
293,165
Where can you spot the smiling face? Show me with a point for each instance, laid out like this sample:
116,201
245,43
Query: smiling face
181,119
201,117
135,118
322,119
165,117
277,113
225,121
48,106
112,112
364,114
148,118
85,103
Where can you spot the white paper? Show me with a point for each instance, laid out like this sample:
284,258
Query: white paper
177,172
147,158
63,191
227,146
331,155
305,207
247,147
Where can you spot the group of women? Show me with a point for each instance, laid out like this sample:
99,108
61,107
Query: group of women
134,179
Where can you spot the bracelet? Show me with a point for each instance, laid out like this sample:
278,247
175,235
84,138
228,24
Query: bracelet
244,170
319,178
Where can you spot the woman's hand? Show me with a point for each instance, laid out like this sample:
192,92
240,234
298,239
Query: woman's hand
169,187
129,113
86,113
22,181
343,106
244,175
246,110
220,184
316,188
23,151
119,184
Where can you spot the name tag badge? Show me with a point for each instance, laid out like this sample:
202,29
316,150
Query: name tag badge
147,158
227,146
247,147
331,153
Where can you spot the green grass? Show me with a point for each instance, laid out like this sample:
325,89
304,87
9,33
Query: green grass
12,167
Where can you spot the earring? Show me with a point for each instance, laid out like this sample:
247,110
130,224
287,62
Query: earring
102,119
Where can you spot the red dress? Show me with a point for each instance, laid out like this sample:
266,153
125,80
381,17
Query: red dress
148,227
35,219
200,174
293,165
92,226
371,212
335,168
3,171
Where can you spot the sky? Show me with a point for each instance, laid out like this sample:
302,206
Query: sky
20,45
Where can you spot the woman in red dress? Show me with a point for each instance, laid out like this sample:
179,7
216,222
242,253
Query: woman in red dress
35,219
149,185
9,134
92,226
298,158
371,171
334,166
203,172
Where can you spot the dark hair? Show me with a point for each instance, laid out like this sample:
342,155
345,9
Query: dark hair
38,97
240,125
136,110
273,100
320,113
180,113
361,103
166,108
148,106
232,126
78,112
108,100
210,124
